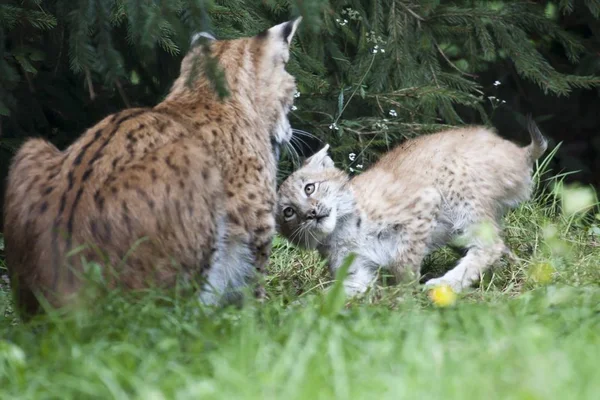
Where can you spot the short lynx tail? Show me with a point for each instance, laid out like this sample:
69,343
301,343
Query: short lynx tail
539,144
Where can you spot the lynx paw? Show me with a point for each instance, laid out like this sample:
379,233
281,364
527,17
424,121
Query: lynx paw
457,285
355,290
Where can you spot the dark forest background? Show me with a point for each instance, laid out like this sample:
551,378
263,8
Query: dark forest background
370,72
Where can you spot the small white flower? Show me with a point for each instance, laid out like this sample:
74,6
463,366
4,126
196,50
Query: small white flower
351,169
380,125
334,127
492,97
296,95
383,50
352,156
376,46
337,20
393,113
503,101
374,51
359,166
497,83
294,108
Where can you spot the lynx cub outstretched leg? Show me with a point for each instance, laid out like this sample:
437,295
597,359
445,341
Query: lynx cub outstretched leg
485,247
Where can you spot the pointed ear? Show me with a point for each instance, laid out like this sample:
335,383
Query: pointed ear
284,32
320,159
202,35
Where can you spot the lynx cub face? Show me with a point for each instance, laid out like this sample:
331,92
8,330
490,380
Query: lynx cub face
419,196
314,201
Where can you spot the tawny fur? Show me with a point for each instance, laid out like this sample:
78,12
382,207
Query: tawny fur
417,197
188,186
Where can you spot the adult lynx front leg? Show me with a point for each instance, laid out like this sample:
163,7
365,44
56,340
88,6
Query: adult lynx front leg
263,239
241,255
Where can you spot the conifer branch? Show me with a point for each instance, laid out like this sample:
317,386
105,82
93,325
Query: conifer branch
122,93
90,84
451,63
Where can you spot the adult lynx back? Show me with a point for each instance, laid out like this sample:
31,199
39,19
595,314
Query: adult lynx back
185,188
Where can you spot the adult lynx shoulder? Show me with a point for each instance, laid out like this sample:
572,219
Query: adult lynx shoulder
186,187
417,197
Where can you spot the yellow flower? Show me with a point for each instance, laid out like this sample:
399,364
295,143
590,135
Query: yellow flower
542,273
442,295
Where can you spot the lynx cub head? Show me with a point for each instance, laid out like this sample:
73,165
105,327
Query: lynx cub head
255,72
312,200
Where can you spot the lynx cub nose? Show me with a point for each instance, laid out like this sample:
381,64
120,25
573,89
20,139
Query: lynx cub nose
312,214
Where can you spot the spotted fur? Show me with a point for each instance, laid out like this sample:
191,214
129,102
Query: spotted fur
419,196
187,187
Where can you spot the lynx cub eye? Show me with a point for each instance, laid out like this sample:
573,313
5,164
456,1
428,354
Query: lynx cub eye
309,189
288,212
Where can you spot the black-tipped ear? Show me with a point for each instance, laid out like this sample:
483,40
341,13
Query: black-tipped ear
289,29
202,36
285,31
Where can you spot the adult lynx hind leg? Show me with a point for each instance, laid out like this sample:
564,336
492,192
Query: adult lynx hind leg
160,222
33,171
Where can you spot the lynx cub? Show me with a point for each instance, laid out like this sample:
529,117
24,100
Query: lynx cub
186,188
417,197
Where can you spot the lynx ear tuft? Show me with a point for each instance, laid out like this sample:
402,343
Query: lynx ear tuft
204,35
282,32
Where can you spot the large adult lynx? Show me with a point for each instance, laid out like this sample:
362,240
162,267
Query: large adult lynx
188,186
417,197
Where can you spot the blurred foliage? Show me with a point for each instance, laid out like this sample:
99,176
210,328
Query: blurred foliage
370,72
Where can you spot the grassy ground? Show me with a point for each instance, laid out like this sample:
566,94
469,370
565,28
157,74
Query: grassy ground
529,332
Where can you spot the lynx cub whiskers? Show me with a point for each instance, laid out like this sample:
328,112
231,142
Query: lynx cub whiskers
183,189
417,197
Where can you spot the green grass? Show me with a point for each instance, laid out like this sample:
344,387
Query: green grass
511,338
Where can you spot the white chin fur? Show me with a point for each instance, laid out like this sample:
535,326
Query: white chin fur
326,226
